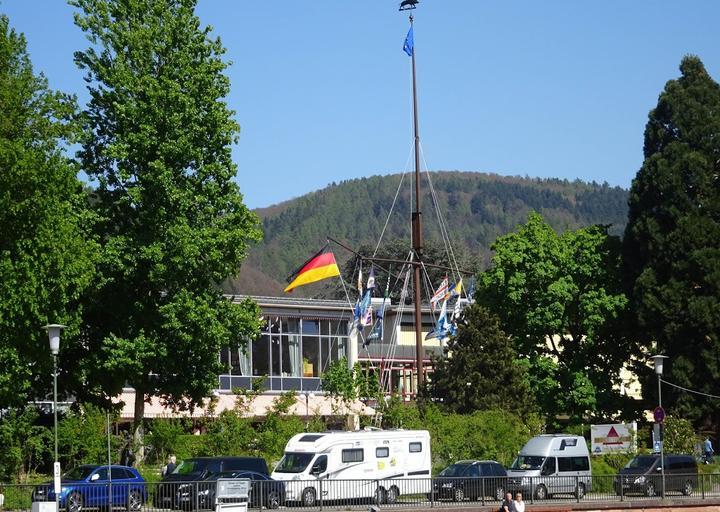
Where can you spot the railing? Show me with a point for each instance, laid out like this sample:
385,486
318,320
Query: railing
408,492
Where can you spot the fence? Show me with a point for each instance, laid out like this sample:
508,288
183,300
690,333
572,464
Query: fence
324,494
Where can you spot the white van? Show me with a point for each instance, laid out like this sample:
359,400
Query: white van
377,464
552,464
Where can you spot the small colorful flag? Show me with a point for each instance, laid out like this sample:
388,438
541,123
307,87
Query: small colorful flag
456,289
409,46
371,280
442,326
359,282
321,266
440,293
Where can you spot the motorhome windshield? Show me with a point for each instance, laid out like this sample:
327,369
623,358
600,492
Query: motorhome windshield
524,462
455,470
641,462
294,462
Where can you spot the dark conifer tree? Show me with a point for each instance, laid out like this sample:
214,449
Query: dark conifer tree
672,240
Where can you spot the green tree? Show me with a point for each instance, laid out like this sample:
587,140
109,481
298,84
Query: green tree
560,299
479,369
46,258
672,240
679,436
157,139
26,445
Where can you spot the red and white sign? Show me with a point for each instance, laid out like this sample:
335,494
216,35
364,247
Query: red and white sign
618,437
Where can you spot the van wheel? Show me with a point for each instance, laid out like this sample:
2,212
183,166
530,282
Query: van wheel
650,489
580,491
459,494
541,492
308,497
392,495
688,488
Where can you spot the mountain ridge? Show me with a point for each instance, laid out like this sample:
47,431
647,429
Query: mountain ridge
476,207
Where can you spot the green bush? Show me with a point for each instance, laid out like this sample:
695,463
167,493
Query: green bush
83,438
679,436
164,438
26,447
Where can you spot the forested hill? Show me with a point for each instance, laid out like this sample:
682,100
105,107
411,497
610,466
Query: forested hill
477,208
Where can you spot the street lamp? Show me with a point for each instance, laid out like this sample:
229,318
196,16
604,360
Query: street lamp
53,331
658,361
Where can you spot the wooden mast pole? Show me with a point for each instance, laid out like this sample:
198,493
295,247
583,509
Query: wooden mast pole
417,234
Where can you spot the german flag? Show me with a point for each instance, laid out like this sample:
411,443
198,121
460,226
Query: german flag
321,266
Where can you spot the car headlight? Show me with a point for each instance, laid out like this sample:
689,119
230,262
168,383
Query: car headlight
525,480
447,485
640,480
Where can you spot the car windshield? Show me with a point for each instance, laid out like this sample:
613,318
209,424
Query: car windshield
641,462
294,462
455,470
80,473
523,462
190,467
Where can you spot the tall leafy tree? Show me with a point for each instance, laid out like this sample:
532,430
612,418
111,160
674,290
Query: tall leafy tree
479,369
560,299
45,259
157,138
672,240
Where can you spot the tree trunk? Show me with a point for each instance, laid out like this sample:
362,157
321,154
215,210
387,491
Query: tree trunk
138,434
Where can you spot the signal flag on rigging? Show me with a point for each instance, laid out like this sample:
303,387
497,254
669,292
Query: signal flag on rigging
321,266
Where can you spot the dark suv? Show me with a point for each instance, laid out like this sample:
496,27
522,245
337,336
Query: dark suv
643,474
173,486
471,479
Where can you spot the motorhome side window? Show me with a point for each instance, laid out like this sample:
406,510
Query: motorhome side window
415,447
353,455
382,452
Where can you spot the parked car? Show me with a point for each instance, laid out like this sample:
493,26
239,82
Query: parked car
471,479
198,469
263,490
643,474
88,486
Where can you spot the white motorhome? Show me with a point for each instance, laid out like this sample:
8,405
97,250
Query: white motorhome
552,464
377,464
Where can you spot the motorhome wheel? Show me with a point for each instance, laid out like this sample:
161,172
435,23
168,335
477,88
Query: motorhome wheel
308,497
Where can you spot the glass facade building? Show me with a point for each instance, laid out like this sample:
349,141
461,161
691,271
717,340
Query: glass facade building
299,339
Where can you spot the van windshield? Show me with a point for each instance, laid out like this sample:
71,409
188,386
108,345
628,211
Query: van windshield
190,467
641,462
523,462
455,470
294,462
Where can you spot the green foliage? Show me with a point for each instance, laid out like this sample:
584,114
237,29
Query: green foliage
46,257
478,369
82,438
672,241
560,299
339,381
484,208
157,139
26,446
491,434
679,436
165,438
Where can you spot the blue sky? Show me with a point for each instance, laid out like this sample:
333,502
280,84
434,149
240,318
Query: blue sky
322,88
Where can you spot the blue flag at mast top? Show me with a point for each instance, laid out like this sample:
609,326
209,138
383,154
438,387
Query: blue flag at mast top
409,45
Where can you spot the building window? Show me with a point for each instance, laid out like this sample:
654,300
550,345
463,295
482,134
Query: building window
275,354
290,348
311,355
261,355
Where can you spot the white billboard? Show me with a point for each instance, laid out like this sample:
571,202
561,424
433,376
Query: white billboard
618,437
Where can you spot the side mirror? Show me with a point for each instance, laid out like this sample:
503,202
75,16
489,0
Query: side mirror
658,468
95,476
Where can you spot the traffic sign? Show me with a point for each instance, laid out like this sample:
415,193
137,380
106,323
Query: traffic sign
659,414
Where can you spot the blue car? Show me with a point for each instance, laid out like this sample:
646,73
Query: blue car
88,486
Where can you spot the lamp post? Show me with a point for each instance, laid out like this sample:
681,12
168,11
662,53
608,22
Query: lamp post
53,331
658,361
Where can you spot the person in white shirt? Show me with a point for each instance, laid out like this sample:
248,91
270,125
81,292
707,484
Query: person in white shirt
519,503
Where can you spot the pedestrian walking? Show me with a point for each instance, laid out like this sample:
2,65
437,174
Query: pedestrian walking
708,449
